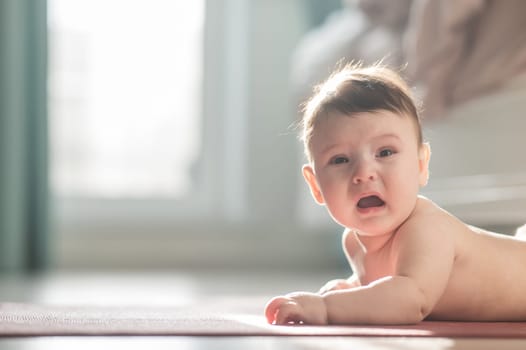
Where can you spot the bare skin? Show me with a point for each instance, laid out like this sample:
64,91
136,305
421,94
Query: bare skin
411,259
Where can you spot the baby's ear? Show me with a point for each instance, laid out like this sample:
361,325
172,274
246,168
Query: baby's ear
310,178
424,154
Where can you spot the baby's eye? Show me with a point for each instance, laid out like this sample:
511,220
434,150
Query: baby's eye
339,160
386,152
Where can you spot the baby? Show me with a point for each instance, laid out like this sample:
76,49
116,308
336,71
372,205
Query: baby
411,260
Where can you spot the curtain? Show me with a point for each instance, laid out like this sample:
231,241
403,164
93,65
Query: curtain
23,135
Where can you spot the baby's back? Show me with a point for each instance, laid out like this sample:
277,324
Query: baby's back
488,280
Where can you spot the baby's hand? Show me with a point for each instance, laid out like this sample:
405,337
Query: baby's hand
336,284
297,308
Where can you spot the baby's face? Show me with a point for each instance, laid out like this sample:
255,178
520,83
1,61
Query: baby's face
367,169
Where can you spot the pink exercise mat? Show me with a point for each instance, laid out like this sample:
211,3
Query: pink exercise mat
232,317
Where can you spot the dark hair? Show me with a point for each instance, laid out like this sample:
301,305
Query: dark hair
356,89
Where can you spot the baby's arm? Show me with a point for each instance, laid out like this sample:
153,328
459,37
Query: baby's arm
391,300
339,284
424,263
349,245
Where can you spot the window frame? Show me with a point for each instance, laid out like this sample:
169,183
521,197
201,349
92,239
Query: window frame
215,178
250,166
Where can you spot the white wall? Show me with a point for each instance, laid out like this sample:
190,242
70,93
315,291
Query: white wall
478,162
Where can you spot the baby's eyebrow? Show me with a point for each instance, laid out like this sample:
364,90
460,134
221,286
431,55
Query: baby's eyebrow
328,149
387,136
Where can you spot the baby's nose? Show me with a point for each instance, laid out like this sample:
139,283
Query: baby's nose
364,172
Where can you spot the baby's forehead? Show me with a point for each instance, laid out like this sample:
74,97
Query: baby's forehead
376,118
370,124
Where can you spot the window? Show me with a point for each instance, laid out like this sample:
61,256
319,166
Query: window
125,92
143,175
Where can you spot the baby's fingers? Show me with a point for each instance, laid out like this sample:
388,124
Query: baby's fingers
282,310
272,308
289,313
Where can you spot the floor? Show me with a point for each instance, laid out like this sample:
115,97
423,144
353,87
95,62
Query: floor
176,288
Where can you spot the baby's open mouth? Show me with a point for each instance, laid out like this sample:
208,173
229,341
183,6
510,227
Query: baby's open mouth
370,201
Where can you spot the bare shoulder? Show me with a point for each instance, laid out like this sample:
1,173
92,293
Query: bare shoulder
425,214
431,226
427,209
429,215
430,222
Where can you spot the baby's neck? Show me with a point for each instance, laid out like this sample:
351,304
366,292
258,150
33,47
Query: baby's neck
373,243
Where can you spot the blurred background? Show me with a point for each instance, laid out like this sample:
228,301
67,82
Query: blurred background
158,134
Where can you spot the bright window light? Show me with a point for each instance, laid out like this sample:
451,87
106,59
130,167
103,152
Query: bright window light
124,97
